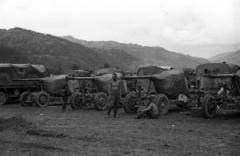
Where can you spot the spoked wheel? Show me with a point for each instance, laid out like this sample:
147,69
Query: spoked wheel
101,101
162,103
25,99
130,103
209,107
3,98
76,101
42,99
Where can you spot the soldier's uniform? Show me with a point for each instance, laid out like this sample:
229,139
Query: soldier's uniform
151,111
64,97
115,93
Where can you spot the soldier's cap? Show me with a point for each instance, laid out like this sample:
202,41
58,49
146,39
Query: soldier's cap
115,73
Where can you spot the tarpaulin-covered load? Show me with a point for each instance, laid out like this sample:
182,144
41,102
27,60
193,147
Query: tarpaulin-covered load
20,71
42,69
149,70
54,84
214,84
171,83
103,83
104,71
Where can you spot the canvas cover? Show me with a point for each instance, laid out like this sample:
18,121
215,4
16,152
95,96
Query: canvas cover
171,83
104,71
20,71
103,83
149,70
54,84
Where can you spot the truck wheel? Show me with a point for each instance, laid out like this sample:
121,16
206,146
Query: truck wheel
208,106
76,101
101,101
162,103
129,103
42,99
25,100
3,98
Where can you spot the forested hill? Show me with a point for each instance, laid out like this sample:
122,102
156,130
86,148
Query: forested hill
60,54
146,55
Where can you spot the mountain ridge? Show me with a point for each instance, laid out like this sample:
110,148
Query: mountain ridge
150,55
228,57
59,52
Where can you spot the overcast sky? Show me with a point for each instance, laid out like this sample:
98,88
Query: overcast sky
200,28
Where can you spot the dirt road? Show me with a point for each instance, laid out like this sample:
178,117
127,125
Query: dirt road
48,131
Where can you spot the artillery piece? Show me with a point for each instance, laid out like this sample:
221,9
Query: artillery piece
96,93
163,87
210,78
49,86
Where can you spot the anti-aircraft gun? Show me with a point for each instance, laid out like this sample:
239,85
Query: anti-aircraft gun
93,90
165,87
220,82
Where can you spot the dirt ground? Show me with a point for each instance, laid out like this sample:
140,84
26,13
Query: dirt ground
49,131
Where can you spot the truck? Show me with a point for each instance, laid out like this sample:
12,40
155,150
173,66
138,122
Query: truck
13,89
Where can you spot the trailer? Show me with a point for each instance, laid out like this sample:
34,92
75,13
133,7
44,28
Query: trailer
165,88
13,89
215,76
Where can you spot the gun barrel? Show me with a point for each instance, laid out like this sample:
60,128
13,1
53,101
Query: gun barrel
80,78
28,79
136,77
218,75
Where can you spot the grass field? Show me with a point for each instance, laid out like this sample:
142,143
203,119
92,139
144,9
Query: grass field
49,131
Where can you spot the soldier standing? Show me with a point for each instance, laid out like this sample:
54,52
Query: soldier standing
115,94
64,96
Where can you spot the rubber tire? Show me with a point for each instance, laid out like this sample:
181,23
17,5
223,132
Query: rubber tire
74,101
127,106
3,98
205,105
22,100
97,102
38,101
158,101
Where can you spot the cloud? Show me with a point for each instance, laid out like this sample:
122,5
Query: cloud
167,23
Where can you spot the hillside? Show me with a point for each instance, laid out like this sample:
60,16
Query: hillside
146,55
58,53
219,57
232,57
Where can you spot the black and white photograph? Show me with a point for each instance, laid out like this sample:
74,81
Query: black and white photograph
119,78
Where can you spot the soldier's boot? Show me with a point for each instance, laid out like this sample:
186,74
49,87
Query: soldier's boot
115,112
